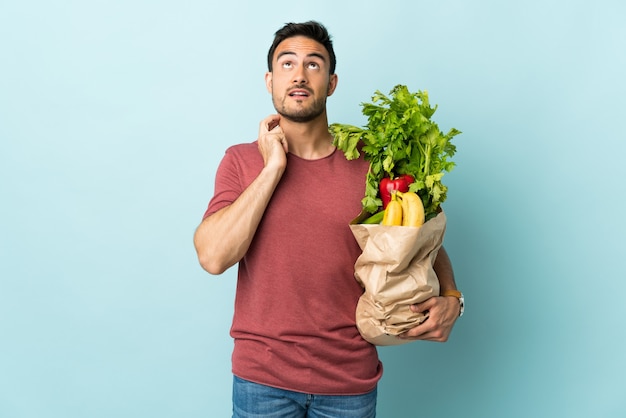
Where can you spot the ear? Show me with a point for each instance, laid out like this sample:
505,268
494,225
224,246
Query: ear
268,81
332,84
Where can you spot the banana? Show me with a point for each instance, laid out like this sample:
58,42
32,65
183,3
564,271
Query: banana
412,209
393,212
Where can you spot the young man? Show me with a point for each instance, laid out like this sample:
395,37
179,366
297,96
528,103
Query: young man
281,210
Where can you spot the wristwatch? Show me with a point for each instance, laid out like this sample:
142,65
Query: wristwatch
459,296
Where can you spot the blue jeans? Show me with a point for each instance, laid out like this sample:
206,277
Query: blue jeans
252,400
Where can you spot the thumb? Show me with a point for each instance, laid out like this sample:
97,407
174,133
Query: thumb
422,307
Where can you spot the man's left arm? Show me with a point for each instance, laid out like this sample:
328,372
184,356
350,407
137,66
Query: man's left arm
443,311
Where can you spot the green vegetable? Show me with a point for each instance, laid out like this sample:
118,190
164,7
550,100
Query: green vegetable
375,218
400,138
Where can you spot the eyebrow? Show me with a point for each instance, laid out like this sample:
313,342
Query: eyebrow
313,54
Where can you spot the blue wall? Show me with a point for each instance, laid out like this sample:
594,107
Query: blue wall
114,115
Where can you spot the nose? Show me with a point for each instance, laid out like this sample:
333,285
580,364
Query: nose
299,77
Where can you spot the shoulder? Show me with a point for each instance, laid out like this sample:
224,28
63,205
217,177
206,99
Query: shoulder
244,153
246,148
242,161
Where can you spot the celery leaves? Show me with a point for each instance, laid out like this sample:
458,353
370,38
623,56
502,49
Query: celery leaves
400,138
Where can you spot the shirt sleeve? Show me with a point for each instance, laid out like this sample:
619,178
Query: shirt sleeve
228,184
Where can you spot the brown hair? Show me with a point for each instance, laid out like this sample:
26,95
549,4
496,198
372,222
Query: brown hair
311,29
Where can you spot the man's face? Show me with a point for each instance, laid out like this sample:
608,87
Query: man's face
300,80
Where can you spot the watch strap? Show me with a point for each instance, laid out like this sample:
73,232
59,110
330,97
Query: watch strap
452,292
457,294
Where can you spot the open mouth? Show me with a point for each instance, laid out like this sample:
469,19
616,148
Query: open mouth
299,93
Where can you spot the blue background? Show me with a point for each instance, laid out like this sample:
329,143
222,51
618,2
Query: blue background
114,115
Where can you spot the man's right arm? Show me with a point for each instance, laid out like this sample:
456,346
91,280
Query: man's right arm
223,238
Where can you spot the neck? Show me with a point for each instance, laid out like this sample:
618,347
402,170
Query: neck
310,140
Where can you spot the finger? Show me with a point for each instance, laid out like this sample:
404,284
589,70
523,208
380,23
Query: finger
423,306
421,330
438,335
269,123
413,334
274,123
420,333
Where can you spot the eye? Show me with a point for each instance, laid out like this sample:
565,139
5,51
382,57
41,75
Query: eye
286,64
314,65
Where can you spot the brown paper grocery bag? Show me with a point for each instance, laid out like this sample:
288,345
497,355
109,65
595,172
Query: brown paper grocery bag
396,271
